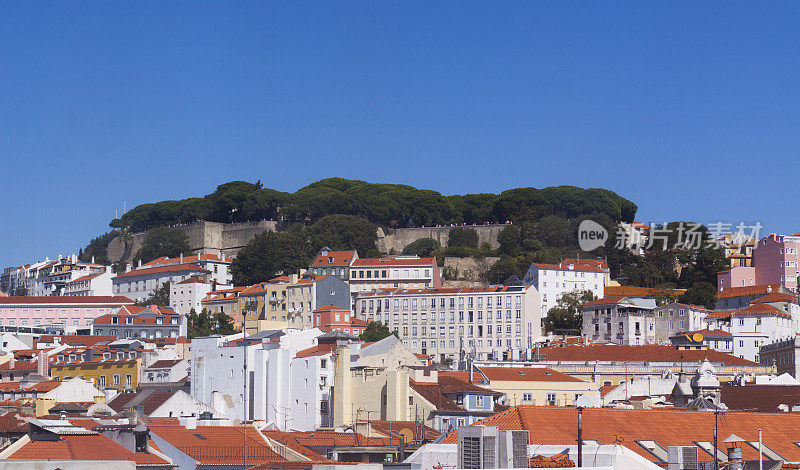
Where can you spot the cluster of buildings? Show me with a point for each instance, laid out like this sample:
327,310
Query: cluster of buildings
90,375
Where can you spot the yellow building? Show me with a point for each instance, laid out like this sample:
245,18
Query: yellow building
532,385
227,301
264,306
105,367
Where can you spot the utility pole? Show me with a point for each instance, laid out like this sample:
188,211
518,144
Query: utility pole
244,396
716,452
580,436
760,454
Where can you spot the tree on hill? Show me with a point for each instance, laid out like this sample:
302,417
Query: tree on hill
566,314
463,237
502,271
269,255
703,294
163,241
510,239
424,247
376,331
343,232
97,249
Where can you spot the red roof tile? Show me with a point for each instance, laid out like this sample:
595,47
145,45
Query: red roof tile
83,447
526,374
164,269
636,291
775,297
366,262
218,445
334,258
318,350
645,353
747,291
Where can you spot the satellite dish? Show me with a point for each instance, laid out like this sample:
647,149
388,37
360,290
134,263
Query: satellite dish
697,337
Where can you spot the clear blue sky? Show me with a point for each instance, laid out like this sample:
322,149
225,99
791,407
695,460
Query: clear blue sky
689,109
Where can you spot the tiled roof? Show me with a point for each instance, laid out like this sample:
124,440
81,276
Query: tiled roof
311,279
526,374
636,291
718,314
774,297
193,280
165,313
217,445
761,310
164,364
339,258
149,400
14,423
68,300
83,447
331,308
45,386
177,268
764,398
82,340
610,300
18,366
644,353
318,350
329,439
556,426
563,266
747,291
366,262
289,439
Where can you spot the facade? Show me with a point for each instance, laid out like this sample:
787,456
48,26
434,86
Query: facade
95,284
218,267
620,320
139,284
71,313
189,294
141,322
106,366
399,272
335,263
227,301
783,355
775,260
532,385
444,322
264,306
166,371
12,280
717,340
734,298
307,294
328,318
53,278
554,280
676,317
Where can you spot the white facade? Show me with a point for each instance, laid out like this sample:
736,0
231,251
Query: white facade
53,278
443,322
554,280
752,328
92,284
139,284
403,272
218,267
189,294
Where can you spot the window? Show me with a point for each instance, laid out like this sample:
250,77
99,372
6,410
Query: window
479,401
116,379
551,399
527,397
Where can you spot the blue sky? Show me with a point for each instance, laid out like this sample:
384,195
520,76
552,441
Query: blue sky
690,109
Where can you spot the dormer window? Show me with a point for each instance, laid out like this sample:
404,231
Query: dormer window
114,320
106,356
159,321
60,358
120,355
129,321
72,358
174,320
132,354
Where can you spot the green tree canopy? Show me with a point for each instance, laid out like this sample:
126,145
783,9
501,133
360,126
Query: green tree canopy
160,297
206,323
163,241
703,294
566,314
271,254
510,239
463,237
97,249
343,232
502,271
423,247
376,331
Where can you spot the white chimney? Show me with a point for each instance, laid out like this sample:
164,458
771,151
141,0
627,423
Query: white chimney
92,259
140,263
181,259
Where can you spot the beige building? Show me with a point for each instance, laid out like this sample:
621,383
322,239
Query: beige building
264,306
535,385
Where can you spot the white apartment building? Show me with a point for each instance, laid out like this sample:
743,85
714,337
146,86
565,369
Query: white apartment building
218,267
189,294
139,284
52,278
442,322
764,321
554,280
95,284
398,272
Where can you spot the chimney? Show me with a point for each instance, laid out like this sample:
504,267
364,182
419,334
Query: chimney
92,259
181,259
11,361
128,267
342,387
140,263
769,289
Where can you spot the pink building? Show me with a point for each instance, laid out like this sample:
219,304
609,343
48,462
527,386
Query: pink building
70,312
775,261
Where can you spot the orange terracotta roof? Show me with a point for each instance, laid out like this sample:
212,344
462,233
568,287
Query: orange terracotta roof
556,426
334,258
747,291
775,297
193,280
636,291
318,350
644,353
392,428
164,269
83,447
526,374
612,300
83,340
761,310
328,439
217,445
